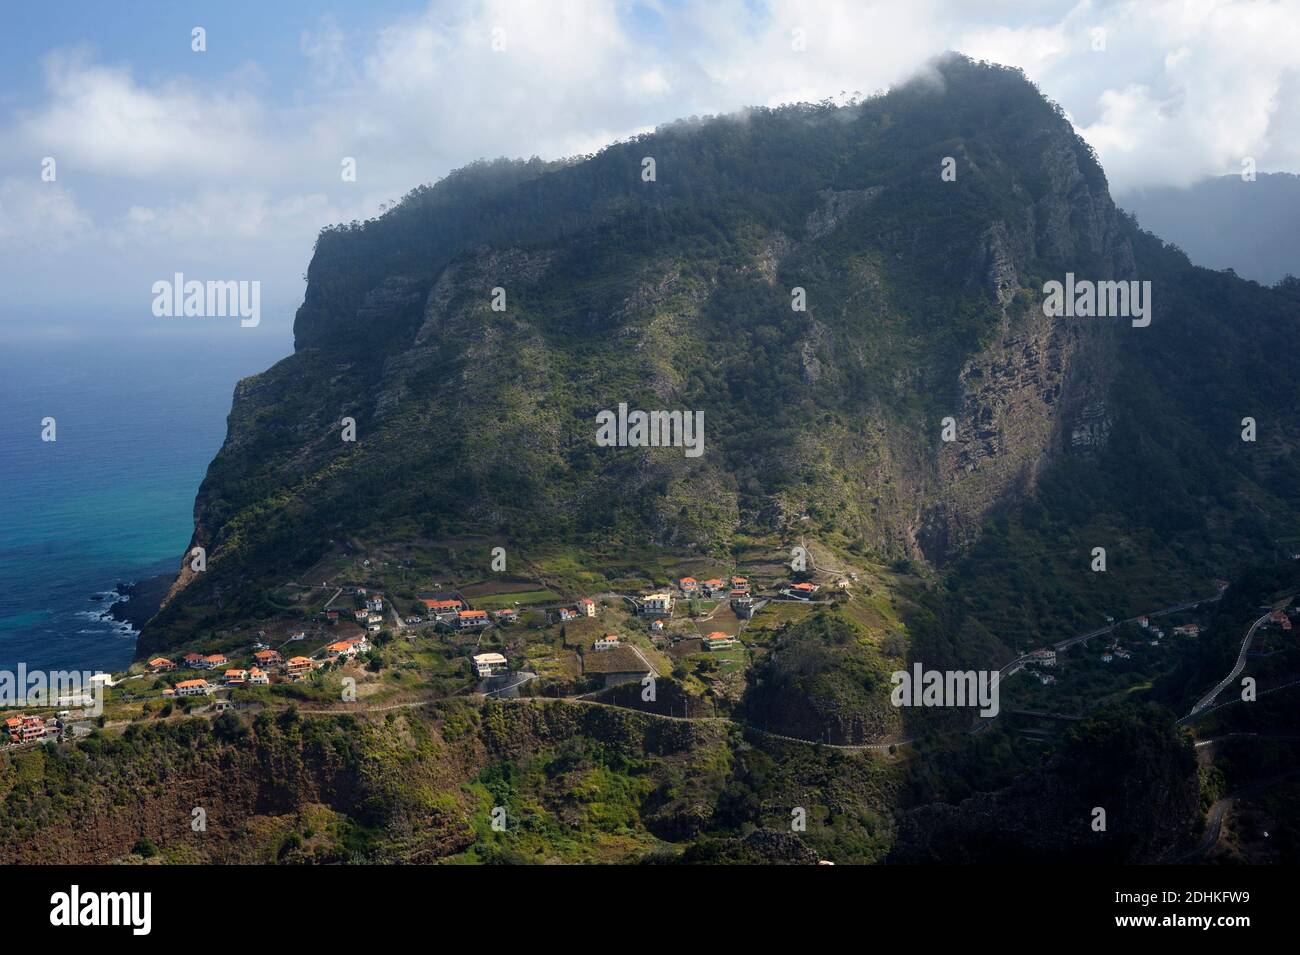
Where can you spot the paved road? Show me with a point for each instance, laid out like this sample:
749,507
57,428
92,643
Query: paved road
1205,701
1065,644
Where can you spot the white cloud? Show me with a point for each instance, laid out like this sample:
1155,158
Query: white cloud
98,119
40,215
236,170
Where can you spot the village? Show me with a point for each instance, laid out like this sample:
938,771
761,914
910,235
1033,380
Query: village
371,642
390,641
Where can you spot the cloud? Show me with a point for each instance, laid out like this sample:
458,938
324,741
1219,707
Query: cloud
239,172
41,215
98,119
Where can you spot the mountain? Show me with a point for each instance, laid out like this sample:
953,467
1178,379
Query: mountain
924,301
1226,222
966,472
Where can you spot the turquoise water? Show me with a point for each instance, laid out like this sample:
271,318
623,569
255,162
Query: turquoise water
111,500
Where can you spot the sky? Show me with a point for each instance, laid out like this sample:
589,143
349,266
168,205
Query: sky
223,163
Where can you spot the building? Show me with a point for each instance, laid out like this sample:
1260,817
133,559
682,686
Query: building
1106,658
689,586
1144,622
1280,619
712,588
341,648
608,642
298,668
212,661
235,677
375,604
1187,630
358,644
192,660
718,641
160,664
739,585
657,605
565,614
801,591
1045,658
657,626
194,688
471,619
586,607
489,665
507,615
443,608
743,606
267,658
258,677
619,665
33,727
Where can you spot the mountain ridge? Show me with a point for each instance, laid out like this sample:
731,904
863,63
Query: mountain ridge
924,303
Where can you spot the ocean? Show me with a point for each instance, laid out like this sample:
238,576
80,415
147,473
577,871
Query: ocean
111,499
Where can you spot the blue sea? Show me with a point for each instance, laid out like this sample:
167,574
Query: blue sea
111,499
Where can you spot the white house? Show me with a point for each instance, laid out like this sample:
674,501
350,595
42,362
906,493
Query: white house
608,642
489,664
657,604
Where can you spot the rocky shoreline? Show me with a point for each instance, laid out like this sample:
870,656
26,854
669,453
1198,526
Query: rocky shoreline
138,602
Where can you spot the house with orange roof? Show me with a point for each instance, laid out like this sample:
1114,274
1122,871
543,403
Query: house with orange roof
235,677
718,640
194,688
712,587
212,661
441,607
608,642
159,664
298,668
14,728
258,677
267,658
507,615
469,619
192,659
586,606
801,591
689,585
